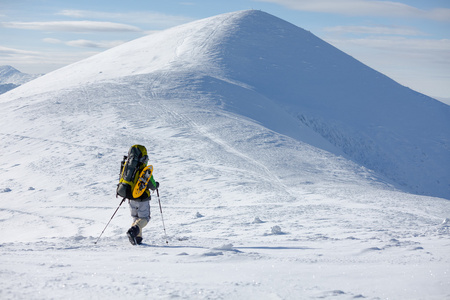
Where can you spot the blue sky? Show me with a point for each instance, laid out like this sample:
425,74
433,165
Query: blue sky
408,41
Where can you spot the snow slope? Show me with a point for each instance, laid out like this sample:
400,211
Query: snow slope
259,197
269,70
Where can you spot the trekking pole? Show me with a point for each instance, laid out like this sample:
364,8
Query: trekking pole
110,220
162,218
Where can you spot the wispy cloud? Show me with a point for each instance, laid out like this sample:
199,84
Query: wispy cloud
427,48
156,19
72,13
52,41
421,64
401,57
377,30
365,7
82,43
94,44
72,26
11,52
40,61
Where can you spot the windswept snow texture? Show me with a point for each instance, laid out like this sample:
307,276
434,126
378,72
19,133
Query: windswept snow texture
280,160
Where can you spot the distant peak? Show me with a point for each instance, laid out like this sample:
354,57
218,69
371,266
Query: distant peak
7,69
9,74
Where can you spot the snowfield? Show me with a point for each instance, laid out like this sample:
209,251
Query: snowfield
268,190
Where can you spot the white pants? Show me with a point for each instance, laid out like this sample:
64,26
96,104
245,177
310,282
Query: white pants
140,211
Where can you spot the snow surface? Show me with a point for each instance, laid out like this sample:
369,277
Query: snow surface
265,186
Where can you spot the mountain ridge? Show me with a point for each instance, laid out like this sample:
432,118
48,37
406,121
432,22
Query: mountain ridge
11,78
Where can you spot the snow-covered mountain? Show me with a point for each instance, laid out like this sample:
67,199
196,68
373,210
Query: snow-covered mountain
11,78
284,167
286,73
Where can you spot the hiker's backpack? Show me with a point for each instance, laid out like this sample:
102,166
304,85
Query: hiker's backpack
131,167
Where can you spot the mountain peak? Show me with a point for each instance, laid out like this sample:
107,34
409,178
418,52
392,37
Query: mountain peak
193,47
8,72
6,68
10,78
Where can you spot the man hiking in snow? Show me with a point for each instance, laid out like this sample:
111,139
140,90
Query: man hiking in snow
136,182
140,212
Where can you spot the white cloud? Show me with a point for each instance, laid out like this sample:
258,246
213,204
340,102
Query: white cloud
52,41
159,20
94,44
401,45
399,52
85,43
365,7
40,62
72,26
440,14
72,13
423,64
383,30
5,51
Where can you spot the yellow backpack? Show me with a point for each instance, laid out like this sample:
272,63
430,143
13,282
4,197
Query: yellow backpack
131,167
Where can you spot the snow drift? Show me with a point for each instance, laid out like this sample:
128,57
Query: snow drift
250,123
